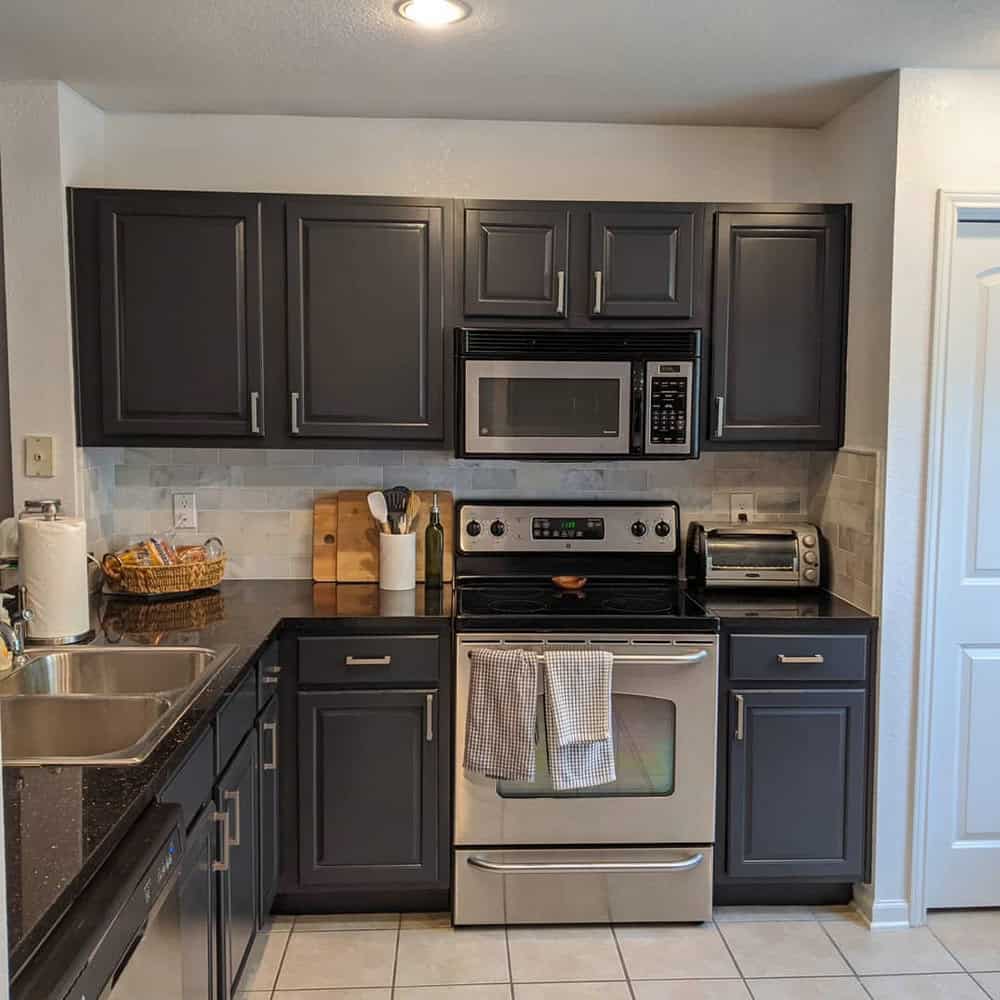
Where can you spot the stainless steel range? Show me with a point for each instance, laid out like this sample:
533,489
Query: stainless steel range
639,848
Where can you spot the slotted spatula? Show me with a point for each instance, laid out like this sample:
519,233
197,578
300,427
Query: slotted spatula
395,502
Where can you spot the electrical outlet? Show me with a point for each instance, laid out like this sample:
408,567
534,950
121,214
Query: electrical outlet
741,507
185,511
38,457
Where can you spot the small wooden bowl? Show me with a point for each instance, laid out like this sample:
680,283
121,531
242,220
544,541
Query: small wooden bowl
570,582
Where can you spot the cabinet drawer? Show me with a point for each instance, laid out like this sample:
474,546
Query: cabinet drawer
191,786
368,659
798,658
236,718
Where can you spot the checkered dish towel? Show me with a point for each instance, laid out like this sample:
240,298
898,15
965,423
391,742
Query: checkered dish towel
500,722
579,739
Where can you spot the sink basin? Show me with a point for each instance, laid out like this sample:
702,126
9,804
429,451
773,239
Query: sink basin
100,705
111,671
47,730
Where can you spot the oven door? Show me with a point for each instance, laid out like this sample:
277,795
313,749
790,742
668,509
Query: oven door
664,726
547,407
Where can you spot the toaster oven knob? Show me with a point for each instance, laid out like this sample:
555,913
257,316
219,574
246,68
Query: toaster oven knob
638,528
662,529
808,541
810,575
497,528
809,558
473,528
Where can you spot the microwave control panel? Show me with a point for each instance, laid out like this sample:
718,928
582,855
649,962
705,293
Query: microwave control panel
669,389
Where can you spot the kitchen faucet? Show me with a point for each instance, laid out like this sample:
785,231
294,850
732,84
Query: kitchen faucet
13,634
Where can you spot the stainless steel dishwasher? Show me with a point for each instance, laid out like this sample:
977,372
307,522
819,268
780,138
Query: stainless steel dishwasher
121,940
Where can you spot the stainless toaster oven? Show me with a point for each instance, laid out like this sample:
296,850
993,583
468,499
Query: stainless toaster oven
745,555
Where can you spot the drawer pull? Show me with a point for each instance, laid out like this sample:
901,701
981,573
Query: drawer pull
271,675
222,818
740,717
233,796
272,728
559,867
429,717
815,658
367,661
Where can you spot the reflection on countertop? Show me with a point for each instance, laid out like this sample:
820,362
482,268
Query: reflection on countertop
777,605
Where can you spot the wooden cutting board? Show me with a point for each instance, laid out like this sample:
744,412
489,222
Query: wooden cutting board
354,550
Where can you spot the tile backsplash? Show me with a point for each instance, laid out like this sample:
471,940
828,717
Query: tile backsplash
260,502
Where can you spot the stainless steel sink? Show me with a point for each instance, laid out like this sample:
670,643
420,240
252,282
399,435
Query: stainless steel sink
100,705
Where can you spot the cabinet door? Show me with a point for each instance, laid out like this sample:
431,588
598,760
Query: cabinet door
267,738
181,315
369,781
642,264
778,330
236,795
365,319
516,262
198,913
797,787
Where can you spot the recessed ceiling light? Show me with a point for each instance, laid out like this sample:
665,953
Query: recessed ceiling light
433,13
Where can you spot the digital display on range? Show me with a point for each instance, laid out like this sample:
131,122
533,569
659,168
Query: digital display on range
567,527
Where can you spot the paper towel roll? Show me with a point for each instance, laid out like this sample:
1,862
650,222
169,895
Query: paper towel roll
53,558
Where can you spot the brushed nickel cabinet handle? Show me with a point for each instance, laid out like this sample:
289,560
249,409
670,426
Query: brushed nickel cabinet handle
561,292
740,717
271,675
720,415
272,728
558,867
254,413
295,413
429,718
222,818
234,796
598,291
814,658
367,661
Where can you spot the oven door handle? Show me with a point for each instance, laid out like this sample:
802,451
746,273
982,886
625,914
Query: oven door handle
564,867
624,658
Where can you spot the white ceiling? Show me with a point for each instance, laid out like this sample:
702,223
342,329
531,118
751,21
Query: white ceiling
739,62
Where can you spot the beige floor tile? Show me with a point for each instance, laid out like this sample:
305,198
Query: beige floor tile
772,950
262,966
691,989
482,992
255,995
329,961
572,991
990,981
972,936
414,921
947,987
280,922
744,914
821,988
347,922
378,994
563,955
443,956
682,951
824,914
895,951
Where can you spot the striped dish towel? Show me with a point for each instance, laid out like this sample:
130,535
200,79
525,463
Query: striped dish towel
579,736
500,722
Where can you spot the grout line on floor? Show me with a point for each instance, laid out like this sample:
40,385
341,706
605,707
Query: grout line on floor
621,958
281,963
395,956
725,943
840,951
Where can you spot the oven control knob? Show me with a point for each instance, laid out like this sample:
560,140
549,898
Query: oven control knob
497,528
809,558
473,528
810,575
662,529
808,541
638,528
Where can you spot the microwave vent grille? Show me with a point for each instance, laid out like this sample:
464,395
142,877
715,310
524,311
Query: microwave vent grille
657,345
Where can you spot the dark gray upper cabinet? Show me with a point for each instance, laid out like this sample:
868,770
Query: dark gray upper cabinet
778,329
643,263
516,262
181,318
369,777
797,784
366,283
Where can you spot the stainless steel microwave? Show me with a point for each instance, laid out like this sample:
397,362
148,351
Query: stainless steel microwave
601,394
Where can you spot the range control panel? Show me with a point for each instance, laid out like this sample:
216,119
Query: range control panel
513,528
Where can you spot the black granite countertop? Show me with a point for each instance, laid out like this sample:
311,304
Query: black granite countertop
777,605
63,822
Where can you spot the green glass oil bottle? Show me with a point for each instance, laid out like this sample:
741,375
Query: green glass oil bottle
434,548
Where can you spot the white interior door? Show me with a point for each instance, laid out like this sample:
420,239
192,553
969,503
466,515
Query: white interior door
963,808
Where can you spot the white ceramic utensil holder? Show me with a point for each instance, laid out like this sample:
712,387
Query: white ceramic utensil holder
397,561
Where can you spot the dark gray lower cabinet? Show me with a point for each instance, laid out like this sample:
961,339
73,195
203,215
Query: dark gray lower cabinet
267,739
236,796
797,784
199,914
369,777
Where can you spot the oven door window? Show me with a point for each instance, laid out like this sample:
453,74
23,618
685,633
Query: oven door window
645,751
776,551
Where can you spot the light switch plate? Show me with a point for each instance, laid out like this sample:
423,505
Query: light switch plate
741,507
38,456
185,511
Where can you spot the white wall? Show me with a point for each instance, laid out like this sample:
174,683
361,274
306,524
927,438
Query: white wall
949,137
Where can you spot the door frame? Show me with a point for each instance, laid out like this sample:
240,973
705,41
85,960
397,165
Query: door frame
949,206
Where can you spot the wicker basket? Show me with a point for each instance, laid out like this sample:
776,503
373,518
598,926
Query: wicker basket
152,580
